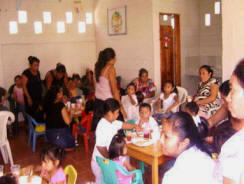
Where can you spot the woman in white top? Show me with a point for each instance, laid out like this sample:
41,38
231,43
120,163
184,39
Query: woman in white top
230,168
182,141
107,127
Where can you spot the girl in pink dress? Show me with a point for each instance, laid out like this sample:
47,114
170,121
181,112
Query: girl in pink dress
52,171
117,153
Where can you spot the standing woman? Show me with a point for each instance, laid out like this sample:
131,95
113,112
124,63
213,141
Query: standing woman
105,84
231,158
32,86
207,96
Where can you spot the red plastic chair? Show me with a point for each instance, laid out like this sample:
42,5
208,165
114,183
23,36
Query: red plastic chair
86,122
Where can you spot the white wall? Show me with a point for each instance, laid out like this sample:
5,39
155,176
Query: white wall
189,33
76,51
233,37
135,49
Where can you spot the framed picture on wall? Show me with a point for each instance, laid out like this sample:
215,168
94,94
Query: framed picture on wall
117,21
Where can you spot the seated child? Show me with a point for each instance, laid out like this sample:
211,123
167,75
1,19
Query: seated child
129,102
74,90
146,121
201,123
117,152
52,171
168,101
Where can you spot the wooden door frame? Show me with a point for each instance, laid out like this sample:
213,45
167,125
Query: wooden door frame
176,45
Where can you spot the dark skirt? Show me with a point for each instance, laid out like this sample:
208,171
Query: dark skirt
61,137
99,113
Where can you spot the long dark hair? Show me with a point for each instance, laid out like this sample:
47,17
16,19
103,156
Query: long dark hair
183,124
104,57
60,68
51,97
116,146
239,72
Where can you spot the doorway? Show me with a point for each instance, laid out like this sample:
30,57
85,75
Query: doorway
170,64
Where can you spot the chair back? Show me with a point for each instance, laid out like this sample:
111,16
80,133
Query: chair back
88,120
4,118
182,94
71,172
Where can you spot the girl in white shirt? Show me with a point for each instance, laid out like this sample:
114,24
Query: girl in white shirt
168,100
130,103
182,141
107,127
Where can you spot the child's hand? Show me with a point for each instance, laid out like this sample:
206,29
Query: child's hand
168,111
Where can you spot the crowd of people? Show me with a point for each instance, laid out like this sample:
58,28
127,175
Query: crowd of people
210,124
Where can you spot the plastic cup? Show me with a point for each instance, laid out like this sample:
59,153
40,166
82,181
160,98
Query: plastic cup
1,170
128,137
15,170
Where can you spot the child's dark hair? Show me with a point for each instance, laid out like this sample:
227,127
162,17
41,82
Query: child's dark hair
116,146
208,68
142,71
53,153
131,84
145,105
224,89
16,77
173,86
203,127
192,107
60,68
110,105
8,179
33,59
89,106
183,124
76,76
221,134
140,97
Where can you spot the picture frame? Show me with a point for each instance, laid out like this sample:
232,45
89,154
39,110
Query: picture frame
117,23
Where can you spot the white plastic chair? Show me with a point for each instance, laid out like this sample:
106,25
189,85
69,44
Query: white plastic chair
4,144
182,94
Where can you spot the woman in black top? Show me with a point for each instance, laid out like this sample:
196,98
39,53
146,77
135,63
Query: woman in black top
32,86
58,119
57,77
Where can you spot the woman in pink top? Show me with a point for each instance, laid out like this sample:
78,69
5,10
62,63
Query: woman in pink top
105,84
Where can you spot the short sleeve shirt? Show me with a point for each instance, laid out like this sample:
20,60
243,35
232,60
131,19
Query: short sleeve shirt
104,134
59,176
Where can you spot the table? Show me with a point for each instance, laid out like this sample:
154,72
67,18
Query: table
151,155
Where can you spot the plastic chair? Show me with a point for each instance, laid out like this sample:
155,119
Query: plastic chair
4,144
39,129
71,172
182,94
108,168
87,123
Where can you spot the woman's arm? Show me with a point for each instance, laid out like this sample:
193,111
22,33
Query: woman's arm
66,82
213,95
66,116
174,104
128,166
113,83
49,80
220,115
132,101
24,82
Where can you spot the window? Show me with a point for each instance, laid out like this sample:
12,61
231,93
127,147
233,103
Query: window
207,19
47,17
13,27
81,27
217,7
89,18
60,27
22,17
69,17
38,27
165,17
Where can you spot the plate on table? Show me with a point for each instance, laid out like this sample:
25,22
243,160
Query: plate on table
31,180
141,142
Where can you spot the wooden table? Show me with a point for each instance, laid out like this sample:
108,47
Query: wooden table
151,155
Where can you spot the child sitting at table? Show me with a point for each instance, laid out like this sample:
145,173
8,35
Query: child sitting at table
52,171
129,102
146,121
168,100
117,152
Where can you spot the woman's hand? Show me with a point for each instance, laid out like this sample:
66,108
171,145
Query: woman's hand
30,103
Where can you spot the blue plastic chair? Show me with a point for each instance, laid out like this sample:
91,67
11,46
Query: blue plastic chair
108,168
35,131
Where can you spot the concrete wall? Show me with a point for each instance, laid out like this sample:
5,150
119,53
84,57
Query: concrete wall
233,37
135,49
76,51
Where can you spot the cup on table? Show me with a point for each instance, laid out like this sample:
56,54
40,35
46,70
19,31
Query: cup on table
128,136
1,170
146,134
15,170
140,134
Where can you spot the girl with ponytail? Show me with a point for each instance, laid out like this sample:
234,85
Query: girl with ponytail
182,141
